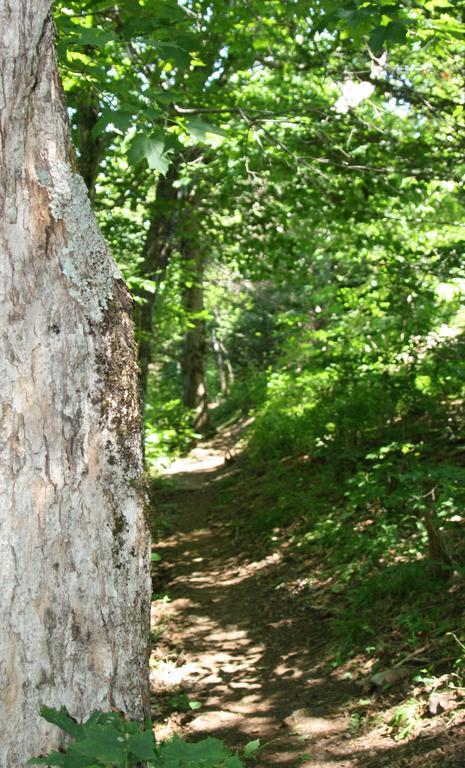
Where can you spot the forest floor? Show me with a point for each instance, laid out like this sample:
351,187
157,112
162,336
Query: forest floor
237,656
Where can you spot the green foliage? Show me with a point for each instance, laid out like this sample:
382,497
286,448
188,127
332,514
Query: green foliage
180,702
405,719
327,203
402,596
152,149
168,428
106,739
313,153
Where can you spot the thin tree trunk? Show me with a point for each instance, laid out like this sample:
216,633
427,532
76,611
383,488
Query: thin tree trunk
229,368
440,561
223,363
91,148
220,363
157,252
194,350
74,591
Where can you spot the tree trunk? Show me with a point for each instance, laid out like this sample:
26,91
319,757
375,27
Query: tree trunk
440,561
223,363
220,363
193,356
157,251
91,148
74,591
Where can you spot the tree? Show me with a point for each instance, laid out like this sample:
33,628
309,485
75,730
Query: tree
74,595
156,254
194,346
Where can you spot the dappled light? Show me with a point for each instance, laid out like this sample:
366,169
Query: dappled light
230,644
234,350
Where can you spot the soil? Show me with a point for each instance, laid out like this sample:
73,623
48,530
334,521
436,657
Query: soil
234,657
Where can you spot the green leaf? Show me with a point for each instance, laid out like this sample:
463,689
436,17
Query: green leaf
432,5
74,35
118,117
199,130
62,719
143,284
151,149
98,38
209,753
261,43
251,748
142,745
233,762
396,32
377,38
103,742
63,760
180,56
180,183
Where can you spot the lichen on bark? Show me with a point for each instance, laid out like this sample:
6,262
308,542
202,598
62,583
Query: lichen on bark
86,260
74,549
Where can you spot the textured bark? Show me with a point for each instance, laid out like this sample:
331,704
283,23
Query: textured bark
194,349
74,580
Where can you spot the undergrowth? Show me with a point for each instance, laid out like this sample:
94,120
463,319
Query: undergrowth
362,473
108,740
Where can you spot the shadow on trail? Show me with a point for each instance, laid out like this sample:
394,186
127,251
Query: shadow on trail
239,646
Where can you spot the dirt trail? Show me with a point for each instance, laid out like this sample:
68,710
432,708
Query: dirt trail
230,640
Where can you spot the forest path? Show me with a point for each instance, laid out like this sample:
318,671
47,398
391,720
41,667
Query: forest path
234,656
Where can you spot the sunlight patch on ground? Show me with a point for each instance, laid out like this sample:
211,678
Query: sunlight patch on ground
200,460
169,676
